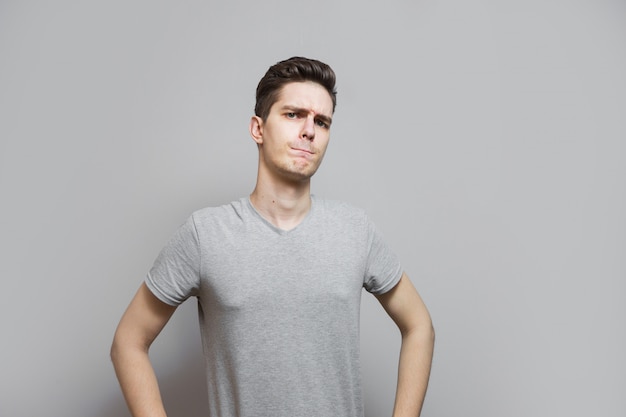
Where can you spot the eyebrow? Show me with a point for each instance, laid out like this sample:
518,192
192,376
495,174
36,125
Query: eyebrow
326,119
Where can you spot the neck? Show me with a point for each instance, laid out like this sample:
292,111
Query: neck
283,205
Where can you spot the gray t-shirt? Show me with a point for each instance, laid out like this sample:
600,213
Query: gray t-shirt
279,310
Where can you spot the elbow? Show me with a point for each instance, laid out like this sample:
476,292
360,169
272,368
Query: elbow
115,350
431,333
427,332
126,345
430,329
424,332
119,347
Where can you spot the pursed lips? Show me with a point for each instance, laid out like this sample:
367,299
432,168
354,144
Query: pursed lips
304,150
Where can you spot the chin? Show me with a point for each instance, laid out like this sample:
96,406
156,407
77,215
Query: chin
300,175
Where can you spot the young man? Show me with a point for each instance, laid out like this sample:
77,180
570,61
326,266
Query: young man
278,276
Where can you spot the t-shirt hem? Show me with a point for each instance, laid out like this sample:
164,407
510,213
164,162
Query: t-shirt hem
158,293
389,285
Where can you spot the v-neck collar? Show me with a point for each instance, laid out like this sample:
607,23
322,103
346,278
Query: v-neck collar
276,229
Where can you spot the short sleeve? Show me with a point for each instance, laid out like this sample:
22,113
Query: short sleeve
383,270
175,274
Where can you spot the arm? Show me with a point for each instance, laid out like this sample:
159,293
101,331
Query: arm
143,320
407,310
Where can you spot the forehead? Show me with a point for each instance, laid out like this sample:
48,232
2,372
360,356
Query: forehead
306,95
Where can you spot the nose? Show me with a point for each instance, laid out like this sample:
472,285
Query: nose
308,129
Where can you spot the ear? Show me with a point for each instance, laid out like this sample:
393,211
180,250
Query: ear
256,129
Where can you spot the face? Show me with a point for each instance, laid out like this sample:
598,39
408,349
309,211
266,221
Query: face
293,138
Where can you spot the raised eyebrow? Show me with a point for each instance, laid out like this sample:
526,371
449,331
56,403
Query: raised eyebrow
299,110
292,109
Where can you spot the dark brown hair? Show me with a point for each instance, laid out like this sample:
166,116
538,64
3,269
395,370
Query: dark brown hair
296,69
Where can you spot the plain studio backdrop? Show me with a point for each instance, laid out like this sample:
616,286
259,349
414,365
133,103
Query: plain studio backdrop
487,140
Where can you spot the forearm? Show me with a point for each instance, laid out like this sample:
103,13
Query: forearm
415,361
138,381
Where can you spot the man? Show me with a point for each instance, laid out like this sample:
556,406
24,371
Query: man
278,276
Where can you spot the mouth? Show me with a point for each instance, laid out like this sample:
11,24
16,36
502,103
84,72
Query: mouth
308,151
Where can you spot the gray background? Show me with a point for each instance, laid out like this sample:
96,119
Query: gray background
487,140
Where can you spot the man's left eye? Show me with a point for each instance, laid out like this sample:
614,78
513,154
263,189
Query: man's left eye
321,123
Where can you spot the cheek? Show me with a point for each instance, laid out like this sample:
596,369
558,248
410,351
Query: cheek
281,135
323,140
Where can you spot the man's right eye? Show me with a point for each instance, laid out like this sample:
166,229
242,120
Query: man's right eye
291,115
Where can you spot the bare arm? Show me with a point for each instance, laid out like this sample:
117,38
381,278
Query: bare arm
143,320
407,310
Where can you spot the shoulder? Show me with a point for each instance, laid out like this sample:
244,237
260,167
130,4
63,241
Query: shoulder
338,206
341,211
232,212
